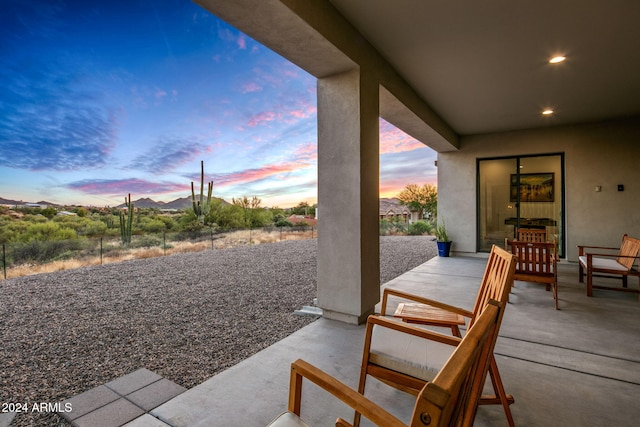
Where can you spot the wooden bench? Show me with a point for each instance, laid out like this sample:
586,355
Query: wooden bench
537,263
609,262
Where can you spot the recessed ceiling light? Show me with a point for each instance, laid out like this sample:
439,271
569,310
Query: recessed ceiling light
547,112
557,59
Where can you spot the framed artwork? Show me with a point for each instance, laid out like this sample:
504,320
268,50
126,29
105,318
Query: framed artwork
534,187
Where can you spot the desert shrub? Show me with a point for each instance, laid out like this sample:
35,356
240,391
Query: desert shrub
391,227
152,225
419,228
95,228
46,231
42,251
146,241
31,218
230,217
49,212
69,221
283,222
260,217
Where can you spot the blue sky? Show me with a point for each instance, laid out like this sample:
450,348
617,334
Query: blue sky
102,99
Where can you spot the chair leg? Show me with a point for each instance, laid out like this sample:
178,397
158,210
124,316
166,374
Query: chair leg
361,384
501,397
580,273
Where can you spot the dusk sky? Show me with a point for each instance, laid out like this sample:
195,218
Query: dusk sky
102,99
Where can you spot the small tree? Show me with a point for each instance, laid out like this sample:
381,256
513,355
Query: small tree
301,208
423,199
248,206
419,228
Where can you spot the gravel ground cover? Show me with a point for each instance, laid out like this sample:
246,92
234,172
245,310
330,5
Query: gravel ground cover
185,316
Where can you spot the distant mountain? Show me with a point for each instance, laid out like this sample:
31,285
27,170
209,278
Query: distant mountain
145,202
22,202
10,202
179,204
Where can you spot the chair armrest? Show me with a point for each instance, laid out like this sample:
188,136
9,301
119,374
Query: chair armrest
411,330
593,254
421,300
301,369
581,248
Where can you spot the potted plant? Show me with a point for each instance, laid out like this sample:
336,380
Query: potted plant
442,240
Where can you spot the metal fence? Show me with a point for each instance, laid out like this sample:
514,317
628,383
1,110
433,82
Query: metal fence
31,257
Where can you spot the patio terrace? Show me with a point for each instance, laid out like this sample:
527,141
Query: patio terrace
576,366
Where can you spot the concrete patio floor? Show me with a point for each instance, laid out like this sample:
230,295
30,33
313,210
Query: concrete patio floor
578,366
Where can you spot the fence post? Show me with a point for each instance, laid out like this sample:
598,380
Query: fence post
4,261
164,243
211,232
101,250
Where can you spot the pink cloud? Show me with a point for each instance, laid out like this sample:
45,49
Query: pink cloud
262,118
250,175
302,157
306,154
304,112
242,42
160,94
393,140
124,186
251,87
289,72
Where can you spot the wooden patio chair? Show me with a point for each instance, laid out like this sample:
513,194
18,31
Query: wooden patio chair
531,234
406,356
450,399
537,263
609,262
528,235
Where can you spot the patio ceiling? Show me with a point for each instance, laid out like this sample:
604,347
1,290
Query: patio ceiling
483,65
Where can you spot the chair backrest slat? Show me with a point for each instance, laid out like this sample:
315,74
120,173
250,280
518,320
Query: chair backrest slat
534,258
630,247
450,398
531,234
496,281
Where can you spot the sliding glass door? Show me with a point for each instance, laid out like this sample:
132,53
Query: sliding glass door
524,191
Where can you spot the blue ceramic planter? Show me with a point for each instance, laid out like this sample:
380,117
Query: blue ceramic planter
444,248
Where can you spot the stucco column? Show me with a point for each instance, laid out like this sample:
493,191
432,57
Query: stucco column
348,191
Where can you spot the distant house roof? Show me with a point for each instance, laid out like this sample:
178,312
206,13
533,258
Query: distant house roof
393,207
306,218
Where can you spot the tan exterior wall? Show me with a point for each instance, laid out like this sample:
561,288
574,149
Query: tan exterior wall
603,154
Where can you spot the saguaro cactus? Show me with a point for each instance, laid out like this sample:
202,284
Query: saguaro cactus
126,221
201,207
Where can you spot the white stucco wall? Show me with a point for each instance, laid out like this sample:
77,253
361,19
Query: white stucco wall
603,154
